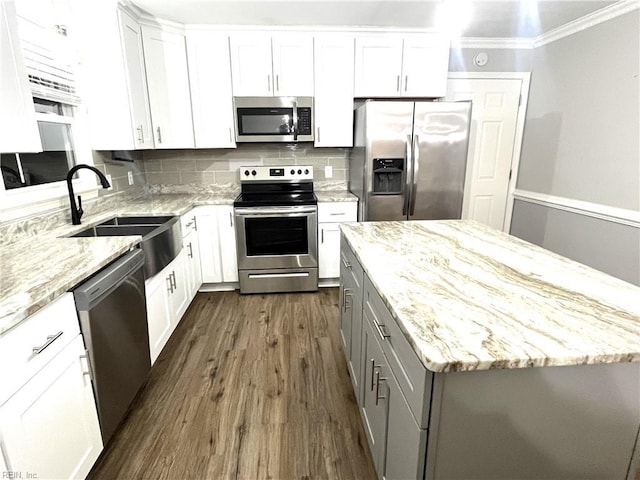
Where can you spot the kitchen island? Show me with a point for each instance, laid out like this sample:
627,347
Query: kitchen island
446,326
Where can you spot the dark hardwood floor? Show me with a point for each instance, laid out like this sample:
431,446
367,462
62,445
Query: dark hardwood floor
248,387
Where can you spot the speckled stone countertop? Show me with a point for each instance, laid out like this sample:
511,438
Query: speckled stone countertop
39,267
335,196
469,297
41,263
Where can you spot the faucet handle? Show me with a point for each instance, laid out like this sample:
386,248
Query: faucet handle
80,211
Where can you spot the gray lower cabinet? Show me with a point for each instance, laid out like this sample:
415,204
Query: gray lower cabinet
392,388
351,281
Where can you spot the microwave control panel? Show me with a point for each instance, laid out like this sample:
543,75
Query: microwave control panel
304,121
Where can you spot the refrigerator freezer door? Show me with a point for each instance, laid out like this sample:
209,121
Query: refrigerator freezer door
388,129
441,142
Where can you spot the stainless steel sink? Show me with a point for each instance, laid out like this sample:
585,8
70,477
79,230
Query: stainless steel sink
161,237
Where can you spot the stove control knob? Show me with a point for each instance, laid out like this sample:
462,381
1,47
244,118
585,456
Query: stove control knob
253,172
299,172
293,171
246,173
306,171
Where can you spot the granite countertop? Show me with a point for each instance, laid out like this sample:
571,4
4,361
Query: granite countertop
39,267
335,196
468,297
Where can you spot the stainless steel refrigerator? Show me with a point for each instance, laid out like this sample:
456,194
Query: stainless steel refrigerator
409,159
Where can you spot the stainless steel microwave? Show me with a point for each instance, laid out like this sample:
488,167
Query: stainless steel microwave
273,119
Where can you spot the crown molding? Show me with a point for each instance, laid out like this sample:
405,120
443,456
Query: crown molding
599,16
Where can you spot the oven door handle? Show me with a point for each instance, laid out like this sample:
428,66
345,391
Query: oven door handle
268,211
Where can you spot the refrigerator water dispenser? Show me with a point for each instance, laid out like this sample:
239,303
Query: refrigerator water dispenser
388,176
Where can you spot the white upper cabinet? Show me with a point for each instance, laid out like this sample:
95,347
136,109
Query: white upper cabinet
131,37
395,66
333,102
115,86
266,66
425,66
18,127
211,94
165,58
293,65
378,66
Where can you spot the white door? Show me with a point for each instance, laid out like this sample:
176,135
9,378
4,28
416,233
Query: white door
131,36
209,245
211,94
227,238
491,145
425,64
329,250
56,406
293,65
333,102
378,66
168,83
157,291
251,65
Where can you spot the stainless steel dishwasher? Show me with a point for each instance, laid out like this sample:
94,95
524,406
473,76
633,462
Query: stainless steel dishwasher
113,319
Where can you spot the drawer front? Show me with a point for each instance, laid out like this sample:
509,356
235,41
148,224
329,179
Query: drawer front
349,264
48,331
337,212
413,378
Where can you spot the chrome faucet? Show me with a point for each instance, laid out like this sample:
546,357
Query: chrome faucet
76,211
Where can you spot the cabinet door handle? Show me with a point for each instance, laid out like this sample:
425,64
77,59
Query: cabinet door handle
140,134
406,82
345,263
318,139
322,235
159,132
378,380
170,288
50,340
268,83
89,369
373,370
380,330
277,83
190,252
397,83
347,292
173,281
195,223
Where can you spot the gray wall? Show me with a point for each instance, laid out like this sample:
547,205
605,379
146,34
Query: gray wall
581,142
499,60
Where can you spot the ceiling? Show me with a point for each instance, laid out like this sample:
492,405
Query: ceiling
486,18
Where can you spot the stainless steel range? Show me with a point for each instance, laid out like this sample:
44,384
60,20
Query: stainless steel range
277,230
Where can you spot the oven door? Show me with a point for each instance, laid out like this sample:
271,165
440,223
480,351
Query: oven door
276,237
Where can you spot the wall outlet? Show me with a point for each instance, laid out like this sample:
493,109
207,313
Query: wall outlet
130,177
110,182
328,171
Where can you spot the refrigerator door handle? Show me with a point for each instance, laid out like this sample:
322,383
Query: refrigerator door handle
416,167
407,170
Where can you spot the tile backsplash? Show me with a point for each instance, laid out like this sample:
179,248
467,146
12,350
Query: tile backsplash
220,166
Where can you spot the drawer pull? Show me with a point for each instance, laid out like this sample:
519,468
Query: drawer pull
381,332
345,263
50,340
346,293
373,371
190,250
170,288
338,214
378,380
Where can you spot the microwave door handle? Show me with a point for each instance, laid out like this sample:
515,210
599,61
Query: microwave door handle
407,170
295,121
